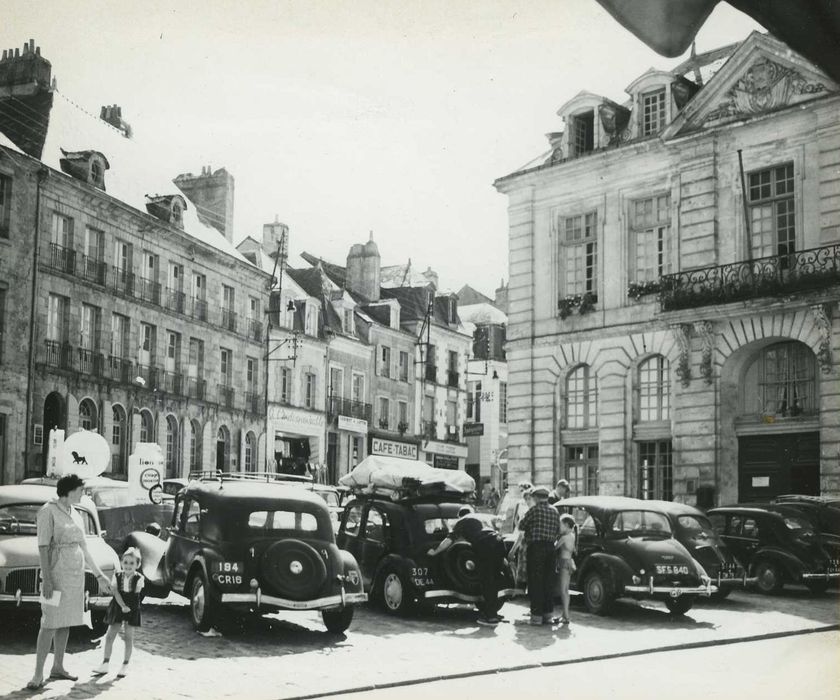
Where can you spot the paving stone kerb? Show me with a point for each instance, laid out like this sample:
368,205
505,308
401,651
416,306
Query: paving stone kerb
290,655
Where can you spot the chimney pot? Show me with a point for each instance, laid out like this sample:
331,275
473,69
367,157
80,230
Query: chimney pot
17,53
4,54
37,50
32,46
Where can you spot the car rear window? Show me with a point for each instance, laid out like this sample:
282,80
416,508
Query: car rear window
274,520
637,522
439,526
800,526
696,525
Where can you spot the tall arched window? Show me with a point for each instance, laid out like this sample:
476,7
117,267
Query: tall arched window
195,446
581,399
654,389
118,438
223,449
171,446
781,381
87,415
250,452
147,427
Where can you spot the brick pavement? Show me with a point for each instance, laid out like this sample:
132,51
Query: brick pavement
290,655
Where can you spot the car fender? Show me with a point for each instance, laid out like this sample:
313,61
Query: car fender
153,567
619,572
349,565
793,566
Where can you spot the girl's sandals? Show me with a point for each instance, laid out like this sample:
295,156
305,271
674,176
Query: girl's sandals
36,685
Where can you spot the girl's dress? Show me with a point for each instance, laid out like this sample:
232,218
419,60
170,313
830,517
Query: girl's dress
565,561
131,590
63,533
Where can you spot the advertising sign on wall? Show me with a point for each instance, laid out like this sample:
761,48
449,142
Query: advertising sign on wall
392,448
146,468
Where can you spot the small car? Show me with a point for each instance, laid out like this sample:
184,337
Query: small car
390,539
626,547
20,566
238,546
779,545
824,511
692,528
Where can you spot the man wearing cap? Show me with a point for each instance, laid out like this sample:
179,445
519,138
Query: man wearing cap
489,549
541,528
561,492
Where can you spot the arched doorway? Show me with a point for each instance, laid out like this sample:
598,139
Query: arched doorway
776,419
118,439
171,446
88,415
54,416
223,449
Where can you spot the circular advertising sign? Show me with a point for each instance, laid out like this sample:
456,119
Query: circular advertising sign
85,454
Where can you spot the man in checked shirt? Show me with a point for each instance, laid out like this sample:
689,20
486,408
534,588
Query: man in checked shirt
541,528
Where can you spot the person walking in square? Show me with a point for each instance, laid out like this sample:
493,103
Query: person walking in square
540,528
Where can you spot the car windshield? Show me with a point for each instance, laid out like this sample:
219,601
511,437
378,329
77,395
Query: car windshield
696,526
641,522
439,527
19,518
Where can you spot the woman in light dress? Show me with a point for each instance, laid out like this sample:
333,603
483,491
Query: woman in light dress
63,552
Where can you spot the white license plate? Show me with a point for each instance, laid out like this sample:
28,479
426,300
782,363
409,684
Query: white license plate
671,569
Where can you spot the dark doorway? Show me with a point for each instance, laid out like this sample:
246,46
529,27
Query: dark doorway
332,457
294,456
771,465
53,418
223,449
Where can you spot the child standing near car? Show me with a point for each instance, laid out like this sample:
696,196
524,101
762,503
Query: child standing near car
124,609
565,563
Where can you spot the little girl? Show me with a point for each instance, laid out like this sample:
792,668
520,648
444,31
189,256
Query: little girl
566,564
124,609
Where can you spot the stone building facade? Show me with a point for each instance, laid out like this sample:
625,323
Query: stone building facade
122,312
673,296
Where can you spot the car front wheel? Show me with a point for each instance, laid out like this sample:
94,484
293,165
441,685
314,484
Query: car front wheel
393,592
597,594
337,621
202,606
769,578
680,605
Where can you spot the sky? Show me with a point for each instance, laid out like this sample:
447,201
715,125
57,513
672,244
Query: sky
345,118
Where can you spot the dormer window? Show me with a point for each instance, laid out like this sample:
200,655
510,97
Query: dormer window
177,218
168,208
348,322
583,133
653,112
453,309
87,166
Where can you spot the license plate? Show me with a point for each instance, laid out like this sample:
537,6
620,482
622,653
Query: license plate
729,571
228,573
833,566
671,569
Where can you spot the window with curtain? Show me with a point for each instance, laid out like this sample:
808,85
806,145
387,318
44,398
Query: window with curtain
771,200
654,389
656,479
781,381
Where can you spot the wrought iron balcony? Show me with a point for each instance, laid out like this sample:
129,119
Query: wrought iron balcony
452,378
349,408
255,329
93,270
431,373
254,403
229,320
196,388
226,395
175,300
151,375
199,309
118,369
430,430
148,290
122,280
58,354
62,259
90,362
775,275
173,382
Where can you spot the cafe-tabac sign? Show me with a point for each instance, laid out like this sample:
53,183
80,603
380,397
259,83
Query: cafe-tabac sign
392,448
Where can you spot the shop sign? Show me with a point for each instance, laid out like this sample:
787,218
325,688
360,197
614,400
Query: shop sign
445,462
392,448
473,429
446,448
146,469
353,425
302,420
84,453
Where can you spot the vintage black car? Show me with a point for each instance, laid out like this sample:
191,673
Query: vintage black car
779,545
692,528
239,545
822,510
626,548
390,539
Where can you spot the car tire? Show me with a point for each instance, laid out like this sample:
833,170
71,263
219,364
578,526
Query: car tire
768,577
461,568
817,587
680,605
598,595
203,607
337,621
294,569
393,591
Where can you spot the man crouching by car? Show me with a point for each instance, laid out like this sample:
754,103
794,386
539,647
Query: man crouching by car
489,549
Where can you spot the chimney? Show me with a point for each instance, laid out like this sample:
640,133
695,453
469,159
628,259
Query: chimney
501,300
112,114
272,233
25,97
364,270
212,195
431,277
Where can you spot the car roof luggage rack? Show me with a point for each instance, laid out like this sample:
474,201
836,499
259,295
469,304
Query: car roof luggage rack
217,475
411,490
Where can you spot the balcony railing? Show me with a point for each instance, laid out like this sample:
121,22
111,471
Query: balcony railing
173,382
430,430
119,369
431,373
255,329
254,403
176,300
93,270
229,320
196,388
806,270
148,290
58,354
350,408
226,395
90,362
122,281
199,309
62,259
152,376
452,378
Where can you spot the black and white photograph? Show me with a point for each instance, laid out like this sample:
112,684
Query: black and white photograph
414,349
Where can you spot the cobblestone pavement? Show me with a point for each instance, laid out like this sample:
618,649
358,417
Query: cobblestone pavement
290,655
